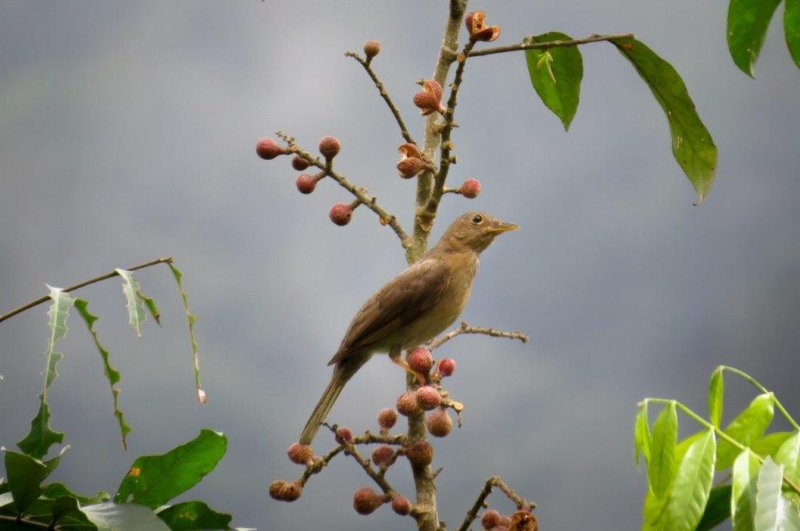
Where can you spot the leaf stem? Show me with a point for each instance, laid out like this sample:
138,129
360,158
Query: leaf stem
547,45
42,300
755,383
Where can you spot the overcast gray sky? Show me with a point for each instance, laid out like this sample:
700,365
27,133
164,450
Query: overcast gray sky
127,133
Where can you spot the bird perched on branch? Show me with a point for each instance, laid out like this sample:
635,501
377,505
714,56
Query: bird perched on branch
413,307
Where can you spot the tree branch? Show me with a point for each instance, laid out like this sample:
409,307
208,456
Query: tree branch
360,194
547,45
94,280
384,94
464,328
494,481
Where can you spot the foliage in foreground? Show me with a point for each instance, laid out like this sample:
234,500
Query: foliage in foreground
758,473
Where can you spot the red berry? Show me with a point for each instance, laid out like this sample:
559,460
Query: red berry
387,418
299,163
344,434
290,491
382,454
371,49
401,505
341,214
306,183
420,360
300,453
329,147
439,423
447,366
428,397
420,454
268,149
366,500
490,519
471,188
407,404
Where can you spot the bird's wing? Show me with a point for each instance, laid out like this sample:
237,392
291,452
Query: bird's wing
404,299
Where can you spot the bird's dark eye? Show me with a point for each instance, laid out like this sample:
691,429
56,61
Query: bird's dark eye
477,219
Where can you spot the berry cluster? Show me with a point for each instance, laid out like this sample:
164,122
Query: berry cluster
521,520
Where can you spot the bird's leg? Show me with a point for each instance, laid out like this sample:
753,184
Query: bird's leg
395,356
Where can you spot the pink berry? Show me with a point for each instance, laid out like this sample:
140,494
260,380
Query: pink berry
382,454
300,453
490,519
420,454
341,214
401,505
366,500
439,423
387,418
329,146
407,404
344,434
268,149
306,183
428,397
471,188
290,491
447,366
420,360
299,163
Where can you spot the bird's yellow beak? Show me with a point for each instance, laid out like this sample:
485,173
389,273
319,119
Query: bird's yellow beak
503,227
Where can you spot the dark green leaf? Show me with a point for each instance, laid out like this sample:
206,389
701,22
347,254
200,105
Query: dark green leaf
692,144
25,476
57,490
748,427
791,27
743,492
747,27
641,434
112,375
662,466
154,480
716,395
718,508
194,515
130,517
190,318
150,304
67,512
556,75
691,488
41,436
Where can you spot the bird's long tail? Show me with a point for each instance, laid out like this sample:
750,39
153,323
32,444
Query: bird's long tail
341,375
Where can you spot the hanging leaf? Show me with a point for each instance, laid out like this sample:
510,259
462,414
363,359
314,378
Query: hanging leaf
556,74
41,436
692,485
190,318
788,455
692,144
112,375
155,479
641,434
716,393
718,508
743,493
747,27
662,466
136,308
748,427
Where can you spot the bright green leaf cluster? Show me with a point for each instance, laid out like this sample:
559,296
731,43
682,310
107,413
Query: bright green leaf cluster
764,469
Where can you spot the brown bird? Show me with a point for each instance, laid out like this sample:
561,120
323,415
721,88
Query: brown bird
413,307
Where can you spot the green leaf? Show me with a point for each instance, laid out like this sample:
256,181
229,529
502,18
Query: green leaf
41,436
692,486
791,28
745,474
770,443
57,490
716,394
156,479
718,508
662,466
130,517
190,318
194,515
692,144
556,75
748,427
747,27
25,476
150,304
112,375
136,308
641,434
769,511
788,455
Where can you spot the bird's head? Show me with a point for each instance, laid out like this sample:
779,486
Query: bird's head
475,230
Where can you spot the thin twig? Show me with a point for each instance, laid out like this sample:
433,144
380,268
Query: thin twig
384,94
547,45
94,280
494,481
360,194
464,328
